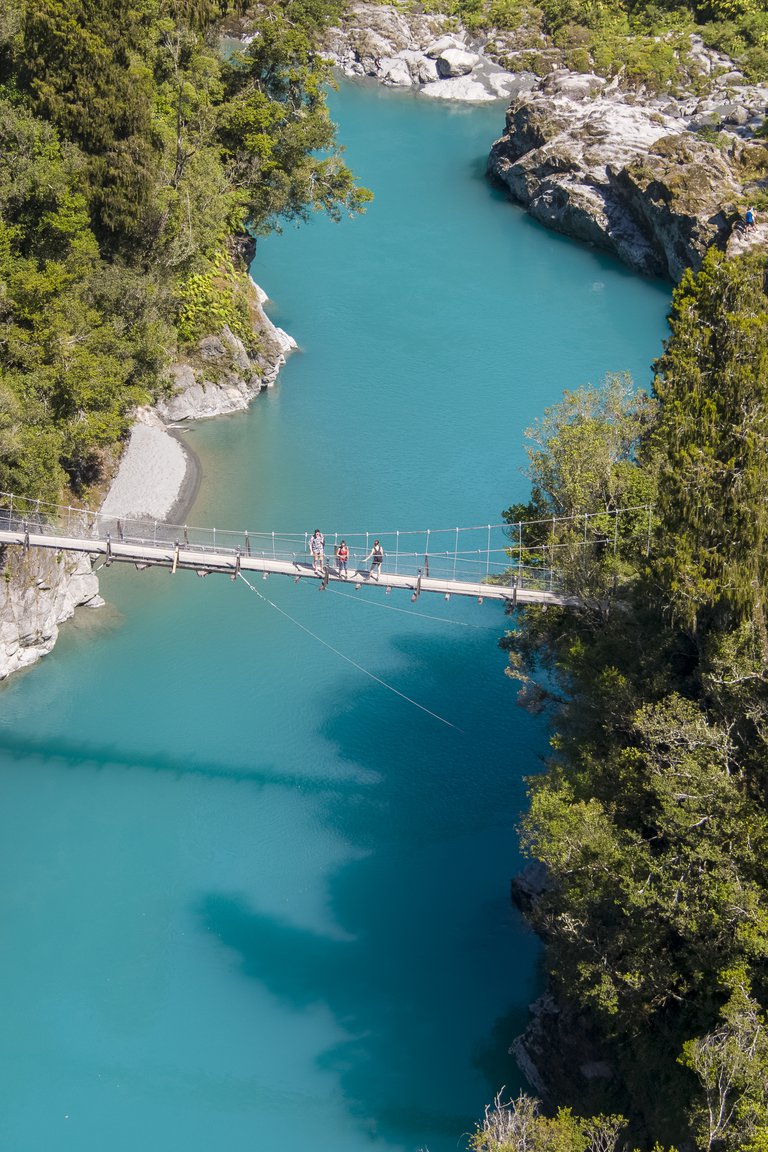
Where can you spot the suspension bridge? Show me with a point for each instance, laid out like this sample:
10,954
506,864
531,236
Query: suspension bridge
516,563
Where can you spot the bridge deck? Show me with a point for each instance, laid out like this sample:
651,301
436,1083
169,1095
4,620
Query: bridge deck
175,557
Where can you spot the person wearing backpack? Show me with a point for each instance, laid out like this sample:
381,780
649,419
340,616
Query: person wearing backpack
376,555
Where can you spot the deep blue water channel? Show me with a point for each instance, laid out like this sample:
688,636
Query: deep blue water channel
251,900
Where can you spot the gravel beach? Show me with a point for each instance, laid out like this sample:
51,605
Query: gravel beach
158,476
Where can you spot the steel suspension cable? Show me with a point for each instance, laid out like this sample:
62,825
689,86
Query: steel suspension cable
348,659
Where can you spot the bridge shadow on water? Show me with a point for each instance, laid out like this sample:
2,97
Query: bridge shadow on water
429,970
80,753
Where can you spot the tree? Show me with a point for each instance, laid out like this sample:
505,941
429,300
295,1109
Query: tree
588,512
732,1064
521,1126
711,442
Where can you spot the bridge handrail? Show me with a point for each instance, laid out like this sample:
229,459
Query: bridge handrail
497,552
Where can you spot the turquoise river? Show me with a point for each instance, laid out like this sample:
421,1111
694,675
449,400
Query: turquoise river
251,899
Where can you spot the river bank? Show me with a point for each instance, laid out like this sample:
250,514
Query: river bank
655,174
159,473
158,478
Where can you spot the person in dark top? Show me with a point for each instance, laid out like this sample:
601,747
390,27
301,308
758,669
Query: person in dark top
376,555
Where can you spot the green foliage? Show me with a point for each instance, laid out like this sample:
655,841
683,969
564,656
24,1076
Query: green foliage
210,300
712,444
582,457
742,34
732,1064
644,41
131,152
651,817
275,128
521,1126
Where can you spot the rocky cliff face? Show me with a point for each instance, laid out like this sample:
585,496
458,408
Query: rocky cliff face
591,162
655,179
39,590
223,377
623,177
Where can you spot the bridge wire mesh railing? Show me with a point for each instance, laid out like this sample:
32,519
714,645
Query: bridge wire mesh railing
526,553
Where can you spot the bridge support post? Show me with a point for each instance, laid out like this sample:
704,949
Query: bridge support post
108,555
236,572
175,564
417,589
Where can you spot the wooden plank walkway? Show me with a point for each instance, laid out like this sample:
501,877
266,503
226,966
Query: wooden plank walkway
203,561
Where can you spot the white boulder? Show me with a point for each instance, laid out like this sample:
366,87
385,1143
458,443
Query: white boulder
456,62
461,88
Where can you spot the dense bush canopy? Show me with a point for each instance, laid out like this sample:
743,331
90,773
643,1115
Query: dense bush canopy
652,818
133,147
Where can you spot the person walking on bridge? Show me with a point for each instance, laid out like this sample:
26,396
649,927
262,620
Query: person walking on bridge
376,555
342,555
316,546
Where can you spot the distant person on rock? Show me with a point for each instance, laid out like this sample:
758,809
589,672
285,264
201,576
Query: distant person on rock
316,546
749,219
376,555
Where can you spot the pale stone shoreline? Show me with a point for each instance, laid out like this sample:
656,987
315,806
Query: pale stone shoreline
159,474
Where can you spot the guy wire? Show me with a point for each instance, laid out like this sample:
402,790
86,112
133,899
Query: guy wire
348,659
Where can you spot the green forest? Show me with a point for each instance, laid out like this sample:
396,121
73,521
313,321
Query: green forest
134,152
652,814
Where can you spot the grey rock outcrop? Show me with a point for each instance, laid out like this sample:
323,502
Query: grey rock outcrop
456,62
223,377
40,589
622,176
558,1048
529,885
418,50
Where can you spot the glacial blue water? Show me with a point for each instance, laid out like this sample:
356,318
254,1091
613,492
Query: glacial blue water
252,900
